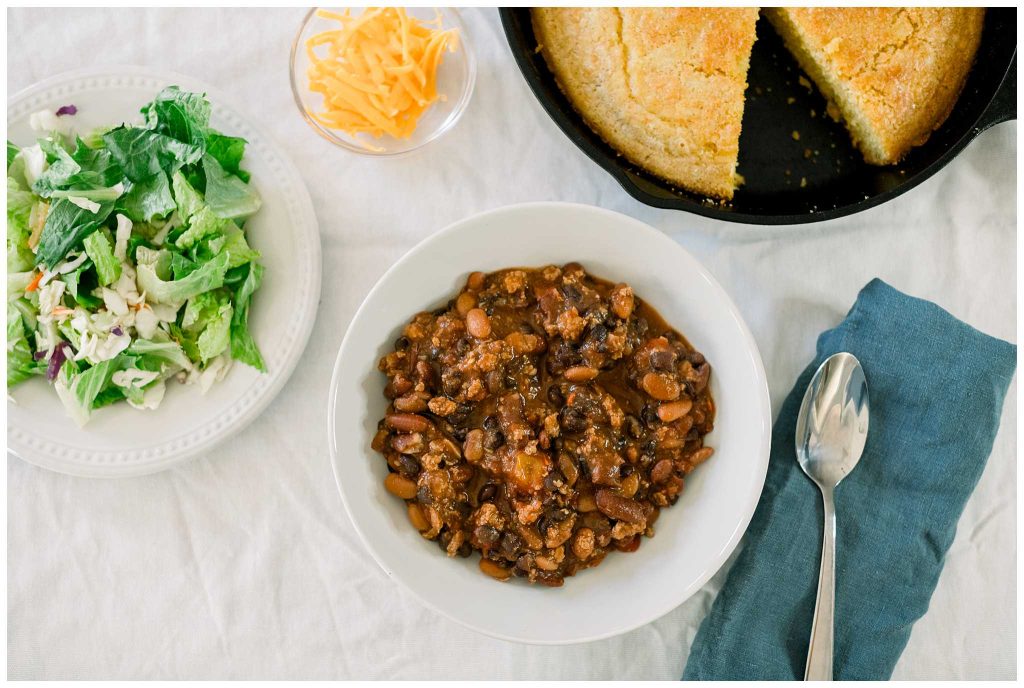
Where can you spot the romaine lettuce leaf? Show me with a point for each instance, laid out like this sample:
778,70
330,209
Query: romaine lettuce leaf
98,247
227,195
243,348
66,226
142,153
216,336
206,277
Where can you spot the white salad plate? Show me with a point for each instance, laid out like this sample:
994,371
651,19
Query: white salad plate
694,537
121,441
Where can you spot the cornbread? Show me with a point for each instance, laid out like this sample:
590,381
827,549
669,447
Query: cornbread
894,74
663,86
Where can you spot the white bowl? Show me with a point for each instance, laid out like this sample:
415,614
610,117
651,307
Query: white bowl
693,538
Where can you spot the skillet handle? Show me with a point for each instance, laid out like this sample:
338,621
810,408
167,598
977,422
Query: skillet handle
1004,105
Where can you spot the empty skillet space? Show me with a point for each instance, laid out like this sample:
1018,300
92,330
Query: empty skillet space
794,158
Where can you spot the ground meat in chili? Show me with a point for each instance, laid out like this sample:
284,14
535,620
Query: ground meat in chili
542,417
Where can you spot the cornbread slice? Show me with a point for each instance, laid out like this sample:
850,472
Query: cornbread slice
663,86
893,73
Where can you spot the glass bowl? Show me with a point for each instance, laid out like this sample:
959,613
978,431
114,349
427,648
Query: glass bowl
456,76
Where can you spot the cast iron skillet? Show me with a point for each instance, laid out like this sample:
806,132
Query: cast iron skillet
818,177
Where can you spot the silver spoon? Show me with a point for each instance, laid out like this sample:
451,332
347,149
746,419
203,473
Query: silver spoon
831,429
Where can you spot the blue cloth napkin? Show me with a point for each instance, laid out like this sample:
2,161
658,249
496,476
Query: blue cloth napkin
936,387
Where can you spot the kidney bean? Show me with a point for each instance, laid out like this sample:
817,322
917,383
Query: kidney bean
662,471
618,507
660,386
580,374
674,410
478,324
407,422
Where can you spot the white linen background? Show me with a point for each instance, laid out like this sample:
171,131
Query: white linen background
243,563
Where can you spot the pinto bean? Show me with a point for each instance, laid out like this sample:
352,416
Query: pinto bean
473,447
478,324
416,517
465,303
583,543
660,386
674,410
400,486
494,570
580,374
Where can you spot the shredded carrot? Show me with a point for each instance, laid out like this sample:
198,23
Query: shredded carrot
379,73
34,284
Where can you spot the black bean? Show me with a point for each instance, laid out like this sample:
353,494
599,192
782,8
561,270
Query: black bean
490,423
423,495
487,535
572,419
409,466
463,345
625,470
487,493
662,359
553,481
402,343
493,440
633,427
649,415
510,545
555,396
696,358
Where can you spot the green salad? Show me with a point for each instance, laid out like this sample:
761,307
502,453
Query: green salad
127,259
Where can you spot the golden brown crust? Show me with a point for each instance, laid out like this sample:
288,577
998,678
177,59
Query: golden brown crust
662,86
895,73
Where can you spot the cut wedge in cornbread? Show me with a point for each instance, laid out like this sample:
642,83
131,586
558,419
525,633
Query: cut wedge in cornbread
894,74
663,86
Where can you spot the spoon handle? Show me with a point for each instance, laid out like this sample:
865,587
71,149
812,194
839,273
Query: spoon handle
819,653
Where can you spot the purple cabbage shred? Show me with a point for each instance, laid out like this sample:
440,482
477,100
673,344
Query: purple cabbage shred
56,361
116,331
67,110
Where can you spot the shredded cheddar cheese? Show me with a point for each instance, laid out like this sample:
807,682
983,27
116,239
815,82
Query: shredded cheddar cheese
378,71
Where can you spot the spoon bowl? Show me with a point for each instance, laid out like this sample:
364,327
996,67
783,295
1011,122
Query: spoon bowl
832,425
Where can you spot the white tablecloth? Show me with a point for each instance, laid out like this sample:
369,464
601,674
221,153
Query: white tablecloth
243,564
